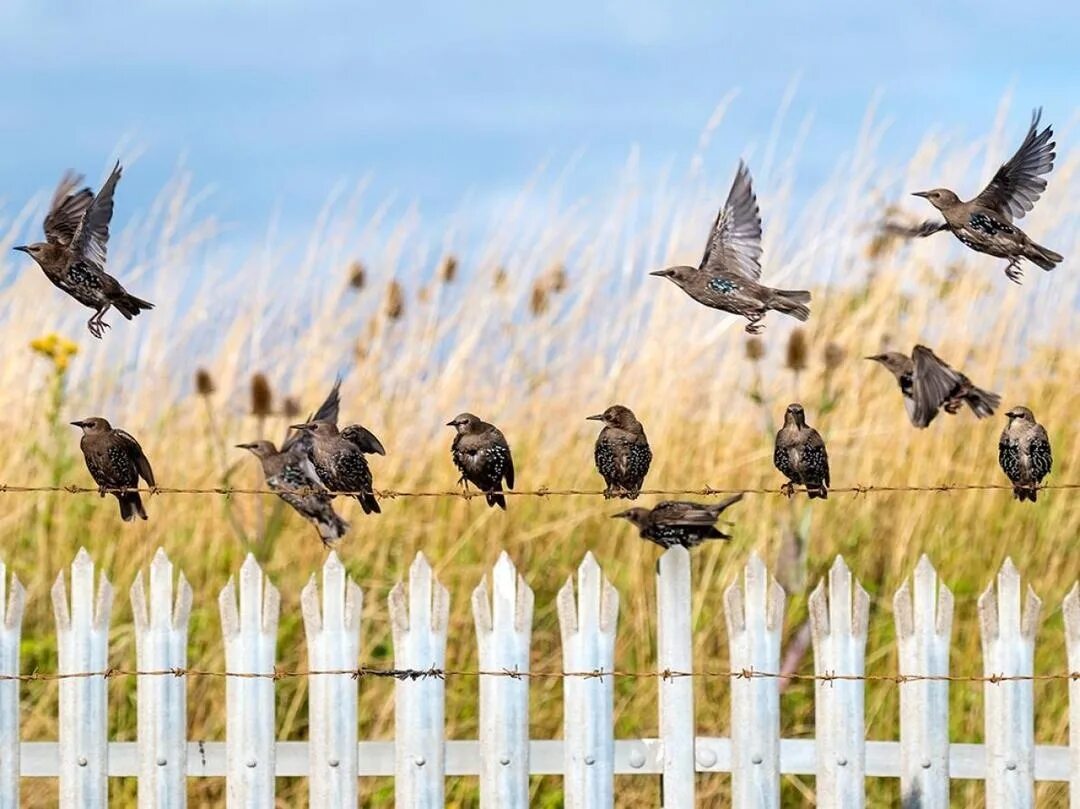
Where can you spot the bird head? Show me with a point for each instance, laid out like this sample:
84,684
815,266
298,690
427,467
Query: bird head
679,274
617,416
635,516
260,449
1021,413
940,198
36,251
464,422
795,415
319,428
92,425
893,360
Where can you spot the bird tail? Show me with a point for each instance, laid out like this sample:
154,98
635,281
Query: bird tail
128,305
818,492
1023,493
496,498
131,506
1042,256
368,503
790,302
982,402
331,527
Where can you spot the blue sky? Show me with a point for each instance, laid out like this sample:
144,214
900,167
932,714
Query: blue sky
456,105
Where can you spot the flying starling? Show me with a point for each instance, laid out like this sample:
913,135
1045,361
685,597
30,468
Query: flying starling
928,383
1024,453
290,473
338,459
481,454
115,461
985,223
800,454
622,452
678,522
727,278
73,253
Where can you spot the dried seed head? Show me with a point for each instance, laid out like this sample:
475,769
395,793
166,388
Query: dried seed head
262,397
395,301
291,408
558,279
448,271
755,349
538,303
204,383
357,275
796,351
834,356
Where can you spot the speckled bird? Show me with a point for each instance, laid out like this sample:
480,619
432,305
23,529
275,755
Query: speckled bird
73,253
986,222
622,452
800,455
115,461
1024,453
338,459
679,522
928,384
482,455
728,276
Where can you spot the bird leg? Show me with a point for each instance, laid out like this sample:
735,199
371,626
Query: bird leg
1014,272
96,324
754,326
788,490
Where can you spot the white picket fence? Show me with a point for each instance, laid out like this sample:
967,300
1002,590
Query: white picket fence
588,756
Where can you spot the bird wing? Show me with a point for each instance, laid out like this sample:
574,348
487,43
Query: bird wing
925,228
932,383
735,240
66,210
817,455
91,239
1042,459
138,457
1019,183
363,439
684,512
508,473
328,411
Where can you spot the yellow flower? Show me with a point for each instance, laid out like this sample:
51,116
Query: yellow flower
56,348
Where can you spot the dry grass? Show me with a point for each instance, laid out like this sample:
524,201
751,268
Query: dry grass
605,333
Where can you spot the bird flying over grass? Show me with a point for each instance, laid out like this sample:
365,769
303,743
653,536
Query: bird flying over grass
679,522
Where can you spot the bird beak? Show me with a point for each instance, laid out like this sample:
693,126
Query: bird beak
923,194
622,514
451,424
305,426
244,446
661,273
22,248
875,358
596,418
78,424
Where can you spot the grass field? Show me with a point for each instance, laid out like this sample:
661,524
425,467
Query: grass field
548,320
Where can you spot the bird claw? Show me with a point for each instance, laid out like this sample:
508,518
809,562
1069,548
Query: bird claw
97,327
788,490
1014,273
754,327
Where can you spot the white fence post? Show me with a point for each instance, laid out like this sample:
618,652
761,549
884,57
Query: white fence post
1071,608
82,642
755,624
674,601
11,614
503,633
1008,641
161,634
419,622
838,622
923,617
333,642
250,645
588,644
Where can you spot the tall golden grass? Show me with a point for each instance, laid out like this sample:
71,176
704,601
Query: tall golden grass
547,320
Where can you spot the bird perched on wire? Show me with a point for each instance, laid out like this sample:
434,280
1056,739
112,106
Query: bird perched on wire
928,384
337,456
115,461
1024,453
73,253
800,454
985,223
728,276
679,522
622,452
481,454
290,473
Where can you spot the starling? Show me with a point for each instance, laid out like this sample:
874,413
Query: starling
115,461
338,459
1024,453
290,473
800,454
481,454
622,452
73,253
985,223
728,276
678,522
927,383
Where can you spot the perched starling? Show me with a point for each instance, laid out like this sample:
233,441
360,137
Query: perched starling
481,454
677,522
1024,453
985,223
927,383
728,276
338,459
800,454
115,461
290,473
622,452
73,253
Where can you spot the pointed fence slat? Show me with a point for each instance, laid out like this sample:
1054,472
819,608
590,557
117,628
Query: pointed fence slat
161,635
838,622
11,614
82,642
588,644
250,648
333,643
419,622
503,633
1071,608
755,624
923,616
1008,640
675,654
